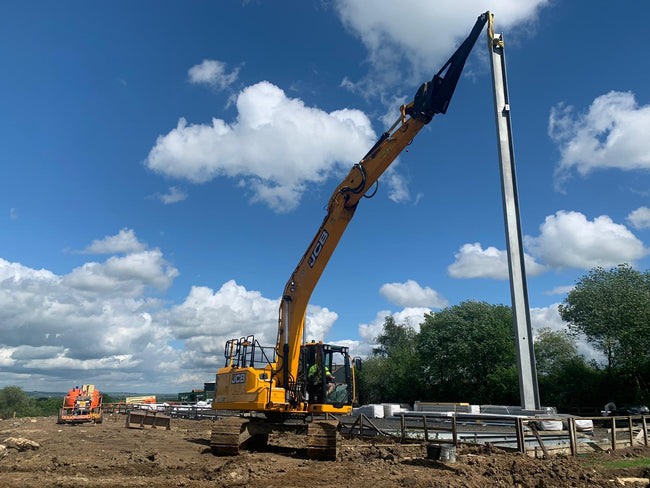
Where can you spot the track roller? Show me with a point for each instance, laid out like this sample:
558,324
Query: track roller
227,435
322,439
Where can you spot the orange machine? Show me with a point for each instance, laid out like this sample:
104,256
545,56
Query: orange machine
81,405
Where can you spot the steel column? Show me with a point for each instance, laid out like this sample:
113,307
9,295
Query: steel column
528,388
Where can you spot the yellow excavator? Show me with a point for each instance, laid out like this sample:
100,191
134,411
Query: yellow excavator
297,386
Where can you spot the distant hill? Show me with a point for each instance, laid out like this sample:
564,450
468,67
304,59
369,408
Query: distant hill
44,394
116,395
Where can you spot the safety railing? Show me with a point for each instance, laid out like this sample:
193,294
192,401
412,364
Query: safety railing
539,435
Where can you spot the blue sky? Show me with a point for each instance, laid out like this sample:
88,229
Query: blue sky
165,165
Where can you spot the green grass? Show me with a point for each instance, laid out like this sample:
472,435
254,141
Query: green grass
621,463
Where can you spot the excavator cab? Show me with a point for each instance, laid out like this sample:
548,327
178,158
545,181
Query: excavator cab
326,376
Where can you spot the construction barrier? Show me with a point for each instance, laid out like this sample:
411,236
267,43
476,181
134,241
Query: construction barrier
534,435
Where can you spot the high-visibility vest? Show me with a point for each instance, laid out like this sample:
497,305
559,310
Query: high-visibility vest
311,374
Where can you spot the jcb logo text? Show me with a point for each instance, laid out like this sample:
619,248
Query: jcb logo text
318,248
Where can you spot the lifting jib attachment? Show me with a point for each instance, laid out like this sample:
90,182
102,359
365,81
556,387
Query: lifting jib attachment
434,96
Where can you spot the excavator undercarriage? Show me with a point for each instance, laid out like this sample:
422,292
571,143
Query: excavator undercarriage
231,434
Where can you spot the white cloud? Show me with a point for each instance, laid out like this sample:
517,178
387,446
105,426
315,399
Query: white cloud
13,214
318,322
569,240
101,323
409,316
472,261
550,317
45,323
124,241
276,147
560,290
92,325
6,359
212,72
392,105
613,133
124,275
398,190
411,294
207,319
355,348
640,218
424,34
230,312
174,195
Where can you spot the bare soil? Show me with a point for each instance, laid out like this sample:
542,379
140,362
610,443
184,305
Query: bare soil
109,454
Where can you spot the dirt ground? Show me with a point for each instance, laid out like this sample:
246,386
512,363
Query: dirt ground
109,454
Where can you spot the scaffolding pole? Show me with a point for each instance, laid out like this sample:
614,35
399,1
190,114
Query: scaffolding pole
528,389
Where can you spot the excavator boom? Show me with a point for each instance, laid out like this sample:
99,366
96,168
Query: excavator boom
284,388
432,97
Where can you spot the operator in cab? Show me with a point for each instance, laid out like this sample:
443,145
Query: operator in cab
315,377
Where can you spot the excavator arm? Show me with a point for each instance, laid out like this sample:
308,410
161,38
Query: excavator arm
432,98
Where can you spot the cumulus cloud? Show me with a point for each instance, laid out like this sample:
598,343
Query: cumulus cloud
126,275
230,312
213,73
612,133
355,348
569,240
424,34
276,147
90,325
103,323
208,318
398,190
318,322
640,218
46,323
472,261
560,290
124,241
409,316
411,294
174,195
550,317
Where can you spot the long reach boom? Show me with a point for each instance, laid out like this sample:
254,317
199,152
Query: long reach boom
432,98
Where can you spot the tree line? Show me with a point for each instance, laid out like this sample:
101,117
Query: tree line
15,402
466,352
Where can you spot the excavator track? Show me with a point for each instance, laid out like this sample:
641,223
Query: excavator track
227,435
322,439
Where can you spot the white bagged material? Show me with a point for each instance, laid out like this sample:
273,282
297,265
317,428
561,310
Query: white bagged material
392,409
551,425
373,411
583,425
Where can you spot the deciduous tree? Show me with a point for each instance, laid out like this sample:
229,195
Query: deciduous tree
612,309
468,354
12,400
392,373
553,350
